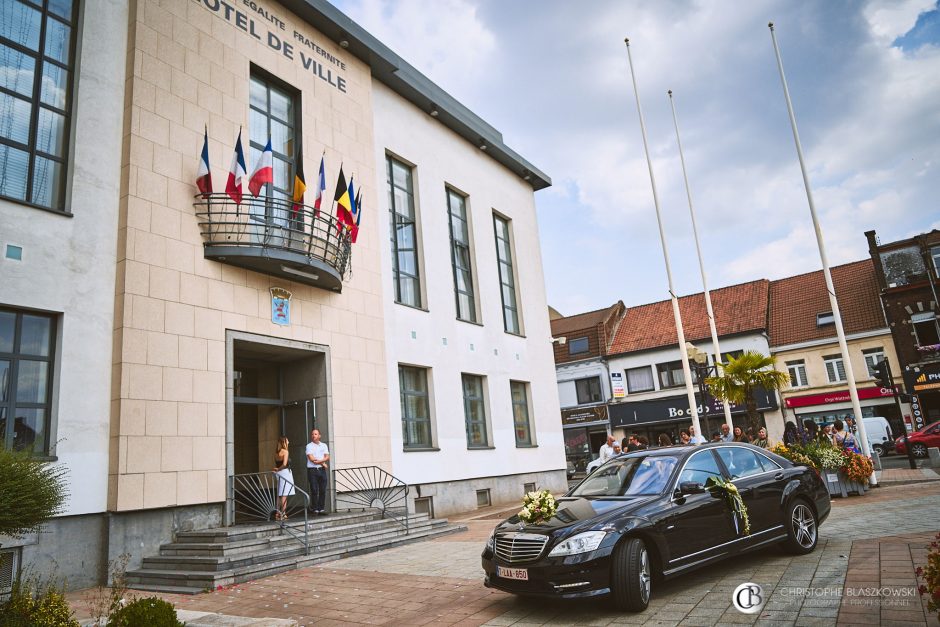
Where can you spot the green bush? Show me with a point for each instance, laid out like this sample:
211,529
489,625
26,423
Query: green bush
150,611
33,492
35,603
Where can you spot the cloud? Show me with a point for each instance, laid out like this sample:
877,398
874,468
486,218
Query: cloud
890,19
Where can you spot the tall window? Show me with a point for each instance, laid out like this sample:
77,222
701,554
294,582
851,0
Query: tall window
26,365
507,281
474,411
415,410
273,114
520,413
404,233
835,369
36,48
589,390
640,379
797,370
873,357
460,256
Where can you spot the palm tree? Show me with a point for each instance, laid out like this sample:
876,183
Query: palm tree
741,376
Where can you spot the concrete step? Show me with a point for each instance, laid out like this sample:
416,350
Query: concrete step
254,531
191,581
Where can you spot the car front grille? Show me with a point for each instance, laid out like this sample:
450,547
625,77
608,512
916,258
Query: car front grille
515,547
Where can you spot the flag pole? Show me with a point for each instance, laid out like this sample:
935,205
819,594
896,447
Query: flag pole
833,301
686,371
701,264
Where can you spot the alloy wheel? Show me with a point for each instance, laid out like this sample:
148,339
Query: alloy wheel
804,526
644,576
919,450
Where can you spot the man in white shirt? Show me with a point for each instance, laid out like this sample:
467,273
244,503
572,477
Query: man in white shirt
607,450
695,438
318,456
726,435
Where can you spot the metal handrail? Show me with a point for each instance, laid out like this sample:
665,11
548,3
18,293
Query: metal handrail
271,223
255,498
370,487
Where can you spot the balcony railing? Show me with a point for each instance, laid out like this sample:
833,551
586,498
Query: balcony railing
267,235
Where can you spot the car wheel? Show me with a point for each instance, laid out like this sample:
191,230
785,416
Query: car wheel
631,579
802,529
919,450
878,450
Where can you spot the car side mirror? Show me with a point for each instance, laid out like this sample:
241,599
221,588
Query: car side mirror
691,487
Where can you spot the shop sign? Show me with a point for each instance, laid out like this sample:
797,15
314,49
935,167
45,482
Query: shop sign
674,408
578,415
837,397
616,385
926,381
918,414
280,306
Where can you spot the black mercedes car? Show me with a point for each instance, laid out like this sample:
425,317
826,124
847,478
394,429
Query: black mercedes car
648,515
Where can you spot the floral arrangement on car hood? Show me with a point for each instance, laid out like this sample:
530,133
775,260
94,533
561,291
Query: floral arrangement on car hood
537,507
735,503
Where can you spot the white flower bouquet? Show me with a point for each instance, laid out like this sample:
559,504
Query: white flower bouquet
537,507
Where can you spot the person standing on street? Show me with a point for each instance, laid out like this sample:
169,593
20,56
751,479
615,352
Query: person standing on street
318,457
726,435
607,450
694,437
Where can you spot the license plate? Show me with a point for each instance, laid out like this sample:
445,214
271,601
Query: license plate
512,573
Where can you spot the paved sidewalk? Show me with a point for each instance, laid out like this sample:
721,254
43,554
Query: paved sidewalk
896,476
872,541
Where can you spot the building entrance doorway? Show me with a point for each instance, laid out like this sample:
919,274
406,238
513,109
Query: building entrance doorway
277,388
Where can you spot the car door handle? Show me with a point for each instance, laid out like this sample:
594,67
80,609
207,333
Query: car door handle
778,476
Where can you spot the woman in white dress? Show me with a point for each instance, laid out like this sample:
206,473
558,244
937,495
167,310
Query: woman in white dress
285,479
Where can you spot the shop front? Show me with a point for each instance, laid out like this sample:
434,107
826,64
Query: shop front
586,431
670,415
923,382
824,409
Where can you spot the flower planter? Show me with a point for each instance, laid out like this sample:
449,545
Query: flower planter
839,484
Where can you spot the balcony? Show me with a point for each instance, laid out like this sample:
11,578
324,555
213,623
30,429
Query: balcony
266,235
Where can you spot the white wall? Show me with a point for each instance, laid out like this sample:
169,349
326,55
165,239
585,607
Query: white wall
417,337
567,374
68,264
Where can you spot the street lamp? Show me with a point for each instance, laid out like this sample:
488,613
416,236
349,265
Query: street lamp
699,359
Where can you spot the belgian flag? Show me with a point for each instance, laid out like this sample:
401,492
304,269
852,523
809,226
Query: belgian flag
300,184
343,201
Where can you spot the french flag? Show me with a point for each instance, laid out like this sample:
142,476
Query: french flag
321,187
236,173
264,170
203,175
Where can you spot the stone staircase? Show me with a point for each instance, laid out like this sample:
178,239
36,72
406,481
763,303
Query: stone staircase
204,560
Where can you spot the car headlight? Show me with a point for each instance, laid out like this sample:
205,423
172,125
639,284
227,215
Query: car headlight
491,542
581,543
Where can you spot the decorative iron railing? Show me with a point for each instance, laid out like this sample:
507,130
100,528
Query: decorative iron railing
370,487
255,498
270,236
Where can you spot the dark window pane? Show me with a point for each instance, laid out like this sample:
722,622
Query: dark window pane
54,85
31,379
62,8
16,71
14,118
50,137
7,328
4,383
13,166
47,182
34,336
29,429
20,23
58,36
3,426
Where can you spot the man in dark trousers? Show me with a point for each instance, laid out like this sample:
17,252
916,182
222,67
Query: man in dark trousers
318,456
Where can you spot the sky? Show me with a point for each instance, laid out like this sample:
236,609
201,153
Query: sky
553,77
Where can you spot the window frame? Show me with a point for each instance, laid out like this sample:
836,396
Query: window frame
797,366
479,400
529,440
503,283
571,345
14,358
873,357
673,366
405,418
836,361
649,369
397,220
59,196
825,318
455,248
295,130
600,390
924,320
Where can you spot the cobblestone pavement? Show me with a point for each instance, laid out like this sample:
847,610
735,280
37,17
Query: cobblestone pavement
869,544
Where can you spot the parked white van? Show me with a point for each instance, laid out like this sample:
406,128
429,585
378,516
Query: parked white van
880,438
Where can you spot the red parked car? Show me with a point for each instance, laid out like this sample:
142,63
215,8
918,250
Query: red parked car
920,441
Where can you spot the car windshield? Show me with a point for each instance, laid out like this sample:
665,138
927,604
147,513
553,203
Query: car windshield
629,476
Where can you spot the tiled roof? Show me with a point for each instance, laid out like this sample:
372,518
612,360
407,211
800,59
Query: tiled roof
795,301
738,309
579,322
